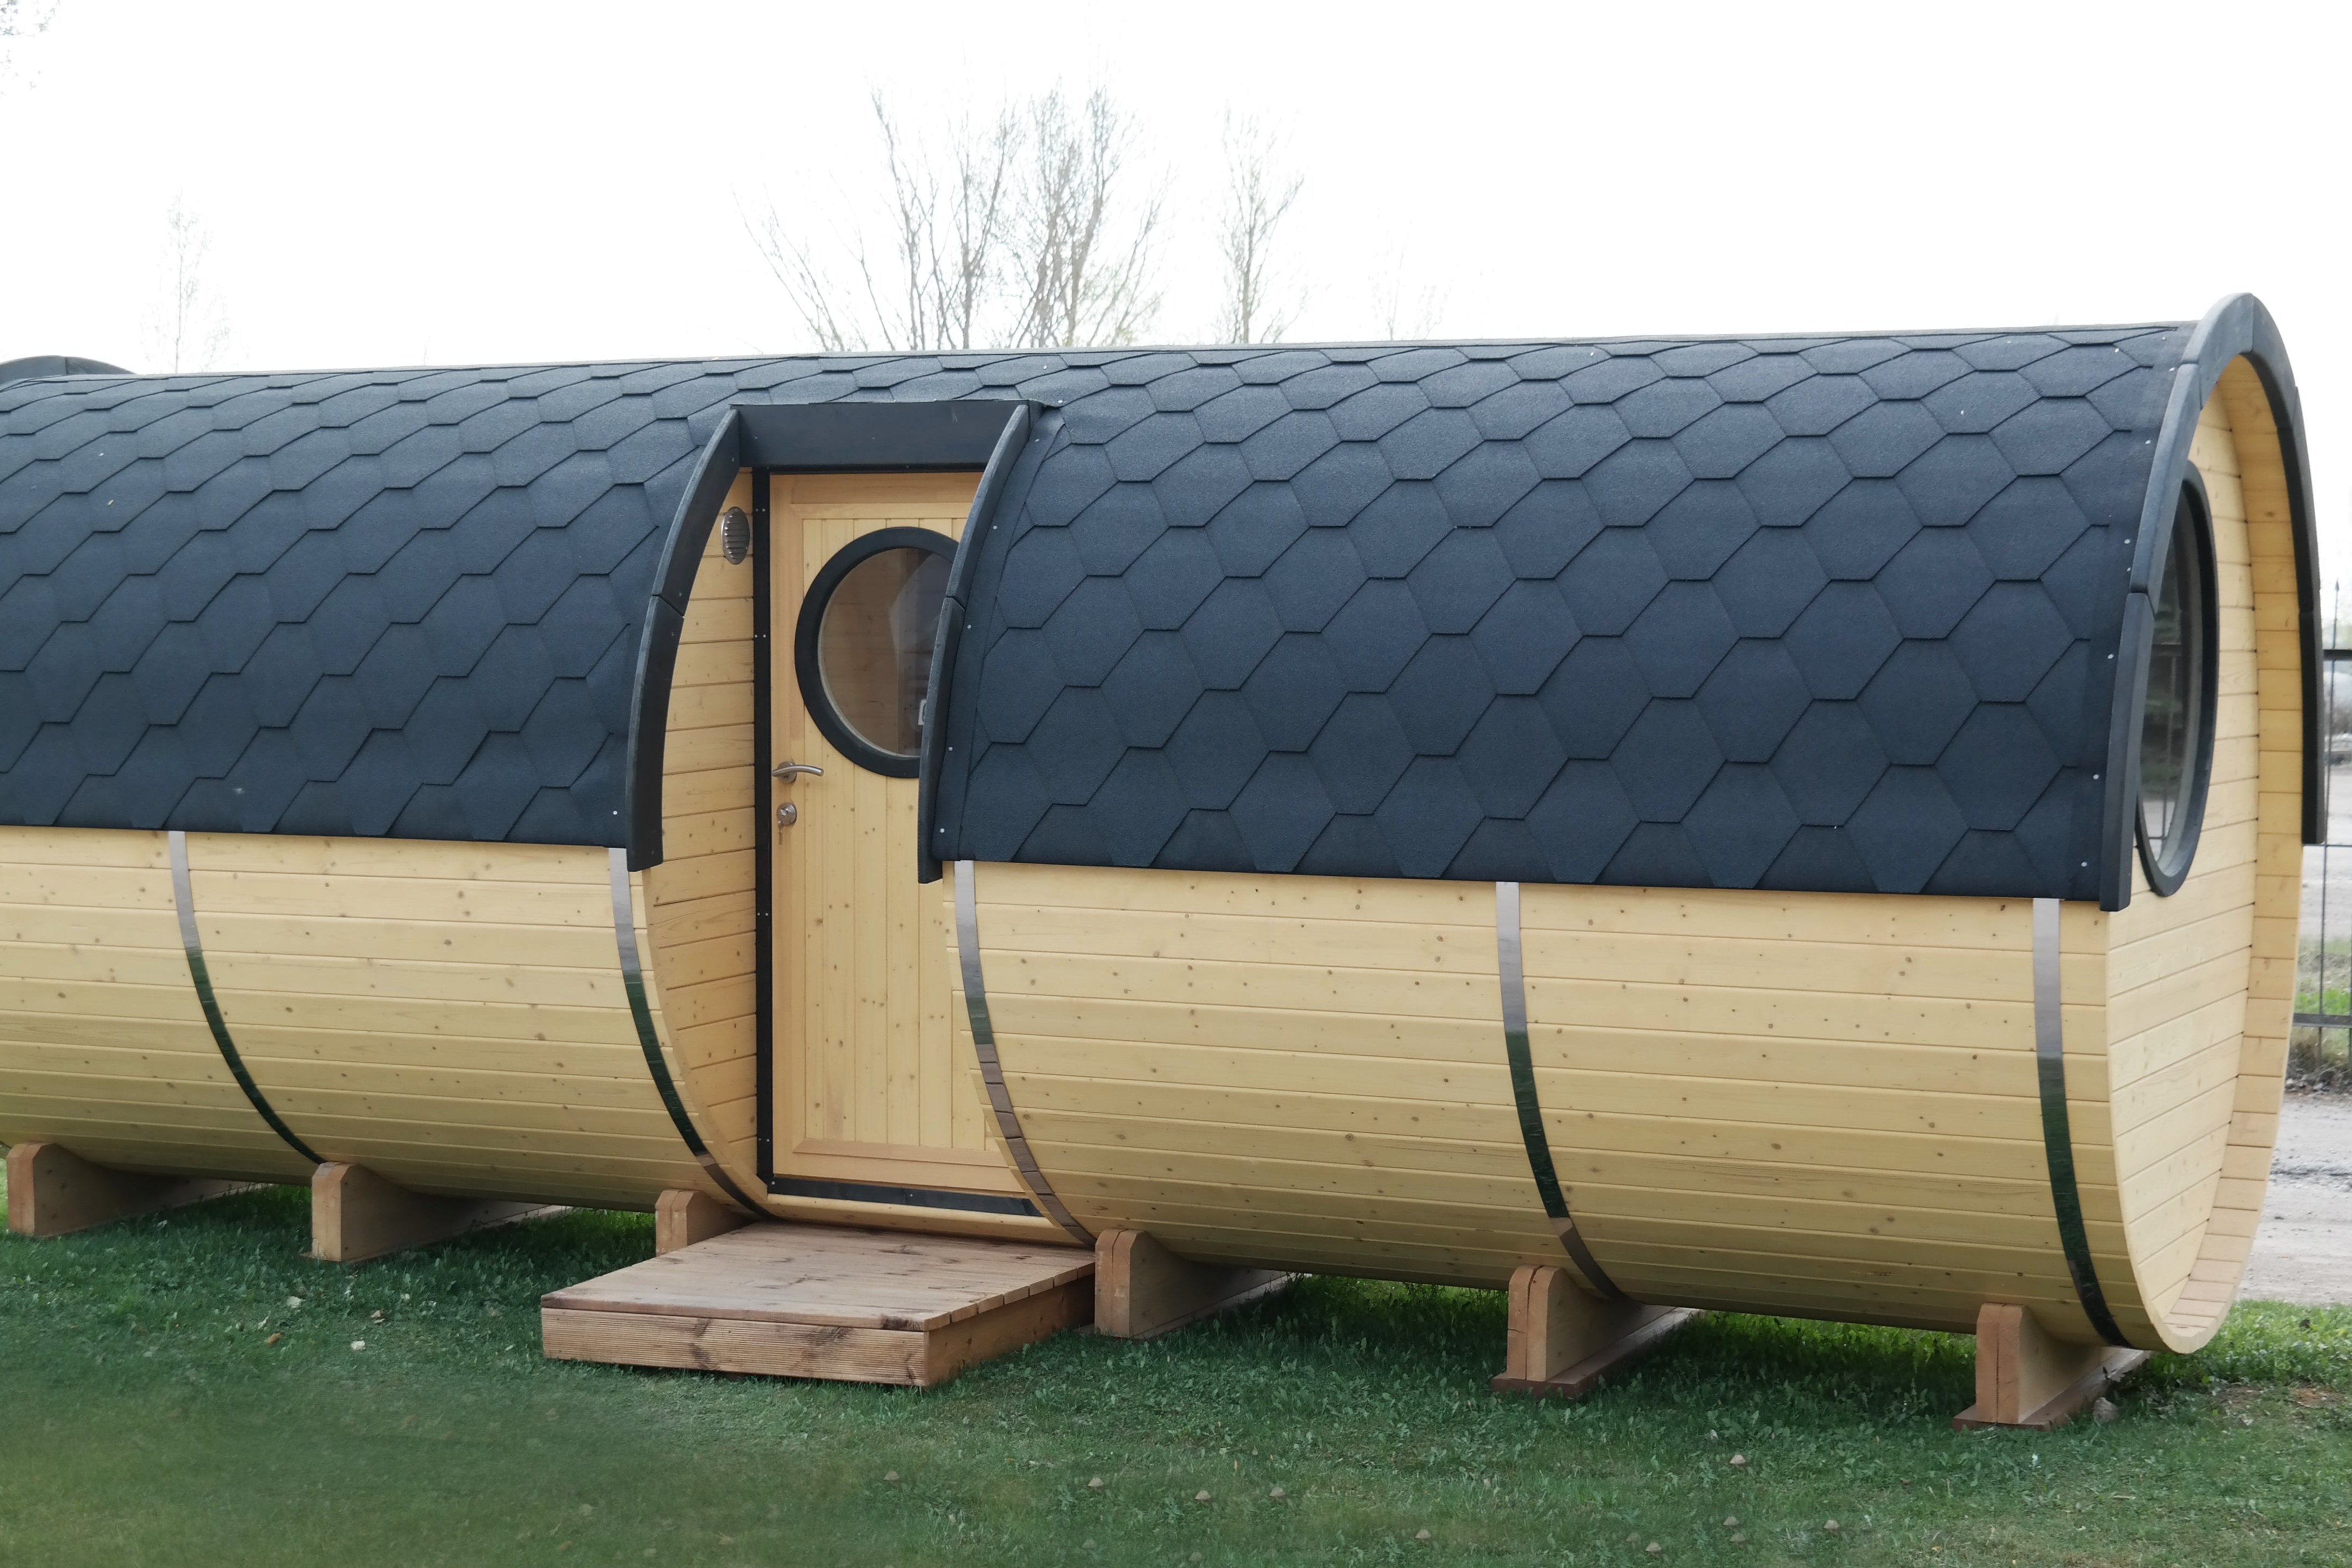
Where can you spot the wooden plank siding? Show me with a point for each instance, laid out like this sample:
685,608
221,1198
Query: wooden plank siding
698,909
449,1016
1834,1093
104,1049
1297,1071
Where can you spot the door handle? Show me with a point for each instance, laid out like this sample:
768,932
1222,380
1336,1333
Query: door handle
787,771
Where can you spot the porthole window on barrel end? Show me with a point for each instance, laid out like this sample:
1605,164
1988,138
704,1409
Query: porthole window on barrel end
862,650
2176,735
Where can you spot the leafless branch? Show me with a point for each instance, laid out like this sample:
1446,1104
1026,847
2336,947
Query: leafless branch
188,330
20,20
1026,229
924,283
1258,196
1085,248
984,163
811,291
1401,310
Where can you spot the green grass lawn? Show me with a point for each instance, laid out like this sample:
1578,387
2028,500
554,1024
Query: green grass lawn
146,1418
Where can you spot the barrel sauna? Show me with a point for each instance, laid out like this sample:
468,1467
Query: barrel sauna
1796,825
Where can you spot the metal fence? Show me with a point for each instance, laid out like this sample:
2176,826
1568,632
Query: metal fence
2319,1051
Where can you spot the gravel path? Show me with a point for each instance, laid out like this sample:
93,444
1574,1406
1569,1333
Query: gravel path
2303,1253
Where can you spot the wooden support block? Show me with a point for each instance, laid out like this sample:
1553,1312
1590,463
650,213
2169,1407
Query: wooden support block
1564,1340
805,1300
683,1217
356,1215
53,1191
1142,1290
2025,1377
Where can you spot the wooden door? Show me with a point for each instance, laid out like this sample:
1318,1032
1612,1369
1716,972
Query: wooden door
868,1085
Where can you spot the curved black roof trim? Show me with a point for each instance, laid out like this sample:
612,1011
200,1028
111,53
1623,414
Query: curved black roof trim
665,622
838,437
1011,443
2238,326
1833,613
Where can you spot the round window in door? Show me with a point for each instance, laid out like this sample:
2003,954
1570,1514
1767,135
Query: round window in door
863,649
2176,732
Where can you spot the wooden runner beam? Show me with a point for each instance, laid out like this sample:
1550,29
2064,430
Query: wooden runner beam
683,1217
2025,1377
356,1215
1142,1290
53,1191
1564,1340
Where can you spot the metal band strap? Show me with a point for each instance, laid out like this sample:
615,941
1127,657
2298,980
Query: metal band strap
1513,973
2057,1137
992,1073
184,897
633,981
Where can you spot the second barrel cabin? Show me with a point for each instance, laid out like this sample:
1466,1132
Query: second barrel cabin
1805,825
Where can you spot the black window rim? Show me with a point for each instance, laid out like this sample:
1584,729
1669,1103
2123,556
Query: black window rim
2167,870
813,697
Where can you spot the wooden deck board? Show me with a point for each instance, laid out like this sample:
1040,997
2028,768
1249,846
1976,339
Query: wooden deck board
806,1301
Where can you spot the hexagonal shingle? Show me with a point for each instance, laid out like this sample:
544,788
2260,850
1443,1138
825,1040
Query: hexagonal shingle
1611,580
1091,630
1439,694
1634,483
1680,638
1918,702
1294,691
1458,581
1361,753
1428,817
1752,700
1234,628
1932,581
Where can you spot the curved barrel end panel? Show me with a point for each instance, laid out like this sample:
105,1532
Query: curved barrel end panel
2199,983
104,1046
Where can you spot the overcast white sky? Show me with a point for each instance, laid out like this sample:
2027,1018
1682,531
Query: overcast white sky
483,183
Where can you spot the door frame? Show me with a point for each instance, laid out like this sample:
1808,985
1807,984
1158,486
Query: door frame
764,678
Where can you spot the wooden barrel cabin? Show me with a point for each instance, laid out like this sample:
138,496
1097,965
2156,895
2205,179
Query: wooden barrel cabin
1800,825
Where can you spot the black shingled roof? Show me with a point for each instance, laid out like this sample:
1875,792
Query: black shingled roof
1825,612
375,602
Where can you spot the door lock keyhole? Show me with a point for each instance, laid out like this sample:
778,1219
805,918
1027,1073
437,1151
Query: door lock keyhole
783,773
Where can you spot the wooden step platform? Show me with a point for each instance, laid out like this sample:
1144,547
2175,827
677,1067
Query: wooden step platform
809,1301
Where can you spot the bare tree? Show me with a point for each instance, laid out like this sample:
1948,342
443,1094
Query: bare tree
19,20
1019,231
813,292
924,287
1085,261
1402,311
968,251
1257,197
189,329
